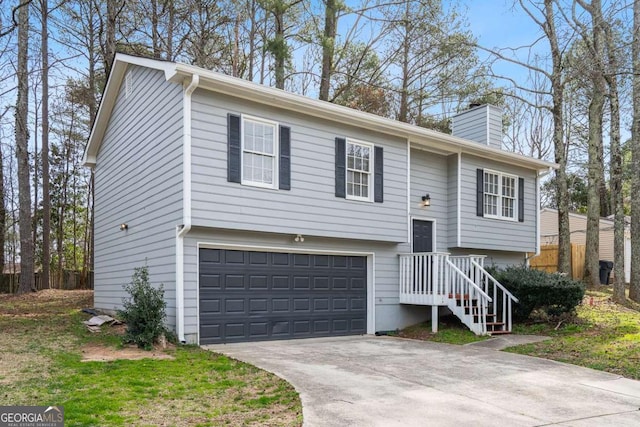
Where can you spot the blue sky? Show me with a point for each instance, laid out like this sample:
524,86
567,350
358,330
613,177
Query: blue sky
498,24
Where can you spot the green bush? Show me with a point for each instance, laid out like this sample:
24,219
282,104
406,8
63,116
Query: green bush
553,294
143,311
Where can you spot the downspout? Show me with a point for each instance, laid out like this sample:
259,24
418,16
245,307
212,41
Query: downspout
185,227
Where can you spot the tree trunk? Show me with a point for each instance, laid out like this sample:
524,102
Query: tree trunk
169,55
595,163
404,92
279,48
560,154
634,288
235,59
110,42
46,194
155,38
34,215
615,167
328,47
27,279
3,213
252,36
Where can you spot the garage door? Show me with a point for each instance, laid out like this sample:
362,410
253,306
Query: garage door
255,296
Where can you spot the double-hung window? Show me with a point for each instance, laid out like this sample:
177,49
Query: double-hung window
259,152
359,170
500,195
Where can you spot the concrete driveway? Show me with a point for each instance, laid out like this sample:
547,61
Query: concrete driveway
382,381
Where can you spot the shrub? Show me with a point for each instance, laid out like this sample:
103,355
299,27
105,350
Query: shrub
553,294
143,311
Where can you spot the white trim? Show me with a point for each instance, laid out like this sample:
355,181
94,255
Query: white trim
181,231
500,196
276,152
371,179
408,189
537,216
434,230
371,271
459,201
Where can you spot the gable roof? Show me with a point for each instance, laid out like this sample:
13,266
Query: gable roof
221,83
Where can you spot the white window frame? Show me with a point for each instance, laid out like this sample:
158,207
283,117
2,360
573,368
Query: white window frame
370,173
276,152
500,195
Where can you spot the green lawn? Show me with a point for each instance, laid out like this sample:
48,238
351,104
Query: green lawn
604,336
450,331
41,347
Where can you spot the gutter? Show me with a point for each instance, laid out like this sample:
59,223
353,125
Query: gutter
185,227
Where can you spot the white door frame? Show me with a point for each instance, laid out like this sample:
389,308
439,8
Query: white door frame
434,230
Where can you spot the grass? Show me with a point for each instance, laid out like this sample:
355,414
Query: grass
450,331
41,364
603,336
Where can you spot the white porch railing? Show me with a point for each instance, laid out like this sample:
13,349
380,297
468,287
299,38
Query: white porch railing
467,301
424,278
502,307
462,284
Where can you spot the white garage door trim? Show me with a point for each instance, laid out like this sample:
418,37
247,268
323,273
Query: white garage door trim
371,271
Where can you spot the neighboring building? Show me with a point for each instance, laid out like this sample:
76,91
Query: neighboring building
270,215
578,230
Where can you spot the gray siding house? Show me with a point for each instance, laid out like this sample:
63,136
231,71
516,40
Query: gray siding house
268,215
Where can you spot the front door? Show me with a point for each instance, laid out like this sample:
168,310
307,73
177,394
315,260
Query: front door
422,236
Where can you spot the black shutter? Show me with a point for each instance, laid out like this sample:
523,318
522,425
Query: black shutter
233,148
285,158
480,192
521,199
340,167
378,176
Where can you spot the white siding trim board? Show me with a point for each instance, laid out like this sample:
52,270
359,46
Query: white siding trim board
371,317
459,203
539,175
409,232
186,204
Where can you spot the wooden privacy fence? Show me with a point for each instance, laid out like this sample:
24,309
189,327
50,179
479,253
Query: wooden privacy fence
548,260
70,280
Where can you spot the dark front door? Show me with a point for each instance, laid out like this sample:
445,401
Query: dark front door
422,236
253,296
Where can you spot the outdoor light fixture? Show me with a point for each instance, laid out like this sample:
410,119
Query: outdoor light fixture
124,226
299,238
426,200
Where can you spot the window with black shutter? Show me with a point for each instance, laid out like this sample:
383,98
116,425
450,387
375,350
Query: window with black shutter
359,170
258,152
499,195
